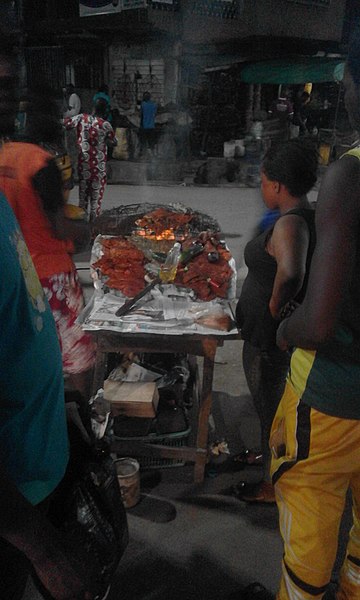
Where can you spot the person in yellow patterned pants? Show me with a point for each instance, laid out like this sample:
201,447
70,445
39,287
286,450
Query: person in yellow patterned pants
315,437
317,459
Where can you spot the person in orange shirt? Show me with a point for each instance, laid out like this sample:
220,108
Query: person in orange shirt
33,433
31,180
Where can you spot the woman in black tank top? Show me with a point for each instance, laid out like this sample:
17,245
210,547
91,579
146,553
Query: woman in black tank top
278,262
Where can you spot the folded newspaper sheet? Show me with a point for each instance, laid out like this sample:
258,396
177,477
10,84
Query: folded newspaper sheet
166,311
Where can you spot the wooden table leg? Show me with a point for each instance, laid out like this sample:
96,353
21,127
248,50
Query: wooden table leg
208,351
99,371
210,347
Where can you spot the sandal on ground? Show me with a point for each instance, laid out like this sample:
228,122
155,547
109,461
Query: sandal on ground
260,493
248,458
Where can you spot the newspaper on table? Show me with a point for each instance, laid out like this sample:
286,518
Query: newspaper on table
166,309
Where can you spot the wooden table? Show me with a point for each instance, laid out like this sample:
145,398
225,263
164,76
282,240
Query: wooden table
193,344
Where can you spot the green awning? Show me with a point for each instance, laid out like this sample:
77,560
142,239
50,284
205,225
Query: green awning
294,71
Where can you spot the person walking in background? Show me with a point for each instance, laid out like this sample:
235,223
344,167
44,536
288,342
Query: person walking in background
148,110
103,93
94,135
301,113
72,107
282,109
315,437
31,180
278,261
182,127
72,101
33,436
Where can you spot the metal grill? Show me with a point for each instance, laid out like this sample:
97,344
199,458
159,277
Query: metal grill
125,91
121,220
45,65
132,77
324,3
224,9
132,4
164,4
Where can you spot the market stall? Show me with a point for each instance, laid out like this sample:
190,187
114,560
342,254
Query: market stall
322,71
185,311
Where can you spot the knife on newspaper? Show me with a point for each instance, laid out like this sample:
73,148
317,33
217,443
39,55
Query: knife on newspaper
129,304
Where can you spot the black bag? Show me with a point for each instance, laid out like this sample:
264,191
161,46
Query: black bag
88,511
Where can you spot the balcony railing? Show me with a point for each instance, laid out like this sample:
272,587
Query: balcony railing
324,3
224,9
171,5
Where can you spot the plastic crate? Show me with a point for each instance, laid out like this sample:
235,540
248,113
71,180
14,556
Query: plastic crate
176,439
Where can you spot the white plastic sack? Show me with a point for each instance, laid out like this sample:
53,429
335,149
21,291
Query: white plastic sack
121,151
229,149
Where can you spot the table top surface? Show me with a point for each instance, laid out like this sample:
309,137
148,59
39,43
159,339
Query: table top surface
166,318
158,337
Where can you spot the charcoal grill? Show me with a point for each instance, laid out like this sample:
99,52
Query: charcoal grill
121,220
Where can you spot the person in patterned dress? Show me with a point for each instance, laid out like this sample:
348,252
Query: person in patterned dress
94,135
33,433
32,182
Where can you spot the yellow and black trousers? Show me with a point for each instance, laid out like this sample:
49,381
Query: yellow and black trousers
315,460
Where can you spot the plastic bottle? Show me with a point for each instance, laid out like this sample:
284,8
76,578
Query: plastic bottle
168,269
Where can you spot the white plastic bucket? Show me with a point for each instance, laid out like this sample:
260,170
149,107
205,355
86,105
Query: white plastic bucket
128,475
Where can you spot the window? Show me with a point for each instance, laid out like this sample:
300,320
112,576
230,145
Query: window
45,66
88,69
164,4
324,3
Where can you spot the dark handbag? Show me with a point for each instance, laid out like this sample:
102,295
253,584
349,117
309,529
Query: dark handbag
88,511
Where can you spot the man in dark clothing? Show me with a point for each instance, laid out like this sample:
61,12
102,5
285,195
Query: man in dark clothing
301,113
315,437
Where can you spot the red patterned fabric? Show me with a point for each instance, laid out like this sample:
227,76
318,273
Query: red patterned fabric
64,294
92,134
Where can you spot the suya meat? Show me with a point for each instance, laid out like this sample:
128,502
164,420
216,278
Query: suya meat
123,264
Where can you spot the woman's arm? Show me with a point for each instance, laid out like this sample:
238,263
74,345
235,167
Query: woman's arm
289,245
337,229
48,184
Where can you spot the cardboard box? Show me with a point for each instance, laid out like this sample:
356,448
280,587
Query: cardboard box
133,399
